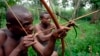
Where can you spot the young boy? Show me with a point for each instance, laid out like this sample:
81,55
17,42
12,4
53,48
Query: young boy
13,39
45,24
45,28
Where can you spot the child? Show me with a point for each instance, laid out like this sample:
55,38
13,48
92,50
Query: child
45,28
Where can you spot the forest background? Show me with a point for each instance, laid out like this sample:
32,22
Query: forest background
87,40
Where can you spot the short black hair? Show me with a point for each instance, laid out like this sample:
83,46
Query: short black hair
17,9
41,15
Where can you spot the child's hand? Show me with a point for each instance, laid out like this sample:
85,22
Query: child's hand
60,33
71,23
64,27
26,41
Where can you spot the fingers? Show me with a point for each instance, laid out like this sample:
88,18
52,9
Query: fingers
29,43
28,40
63,34
66,28
71,22
29,36
60,33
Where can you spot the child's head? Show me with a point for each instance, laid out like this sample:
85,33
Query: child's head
23,15
45,18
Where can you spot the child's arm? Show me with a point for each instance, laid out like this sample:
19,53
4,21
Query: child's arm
2,40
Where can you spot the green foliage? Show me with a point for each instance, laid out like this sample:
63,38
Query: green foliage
84,12
95,4
86,37
66,14
64,2
88,34
3,8
31,52
55,2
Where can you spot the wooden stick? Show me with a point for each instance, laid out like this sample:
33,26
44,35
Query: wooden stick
16,17
55,21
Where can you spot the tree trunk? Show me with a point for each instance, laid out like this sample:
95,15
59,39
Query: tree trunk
76,8
94,18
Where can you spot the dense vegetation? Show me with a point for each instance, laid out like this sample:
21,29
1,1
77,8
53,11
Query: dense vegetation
87,42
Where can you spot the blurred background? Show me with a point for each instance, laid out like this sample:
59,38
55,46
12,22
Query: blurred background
84,40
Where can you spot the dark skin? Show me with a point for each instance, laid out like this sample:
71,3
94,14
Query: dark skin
14,41
45,24
15,34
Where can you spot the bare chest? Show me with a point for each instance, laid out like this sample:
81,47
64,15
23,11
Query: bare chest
9,46
46,30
